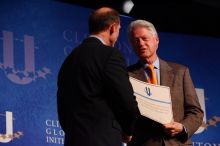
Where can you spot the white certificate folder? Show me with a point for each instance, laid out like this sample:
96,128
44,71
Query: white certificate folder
154,101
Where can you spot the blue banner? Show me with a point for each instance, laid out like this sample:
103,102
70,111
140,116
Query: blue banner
36,36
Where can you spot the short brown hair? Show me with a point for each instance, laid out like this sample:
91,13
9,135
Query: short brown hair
102,18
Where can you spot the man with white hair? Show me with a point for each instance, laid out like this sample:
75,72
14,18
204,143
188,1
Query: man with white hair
187,112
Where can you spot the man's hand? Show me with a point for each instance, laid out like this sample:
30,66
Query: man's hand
173,128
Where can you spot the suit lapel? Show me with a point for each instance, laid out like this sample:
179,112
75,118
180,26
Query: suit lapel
138,72
166,74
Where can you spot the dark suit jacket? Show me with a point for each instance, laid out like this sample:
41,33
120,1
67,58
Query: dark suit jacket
185,104
95,98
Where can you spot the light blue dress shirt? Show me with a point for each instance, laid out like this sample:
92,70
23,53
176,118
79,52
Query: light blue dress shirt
156,65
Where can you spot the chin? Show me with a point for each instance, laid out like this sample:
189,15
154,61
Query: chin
143,57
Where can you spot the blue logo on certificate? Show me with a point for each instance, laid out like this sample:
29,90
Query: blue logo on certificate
147,90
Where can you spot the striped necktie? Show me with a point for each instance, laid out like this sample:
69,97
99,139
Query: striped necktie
152,76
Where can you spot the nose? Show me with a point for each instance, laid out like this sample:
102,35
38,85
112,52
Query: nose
140,42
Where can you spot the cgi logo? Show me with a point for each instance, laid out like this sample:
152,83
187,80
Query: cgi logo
29,73
9,135
147,90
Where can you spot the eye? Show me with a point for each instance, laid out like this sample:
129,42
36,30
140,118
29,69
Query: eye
145,39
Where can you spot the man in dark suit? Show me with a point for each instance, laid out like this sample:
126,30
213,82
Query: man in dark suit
187,112
96,105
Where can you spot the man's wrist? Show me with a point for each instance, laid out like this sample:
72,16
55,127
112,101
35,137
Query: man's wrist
183,135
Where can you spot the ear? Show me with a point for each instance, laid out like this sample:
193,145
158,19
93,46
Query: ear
157,39
112,28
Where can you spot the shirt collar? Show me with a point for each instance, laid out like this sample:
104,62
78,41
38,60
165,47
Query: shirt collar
156,64
95,36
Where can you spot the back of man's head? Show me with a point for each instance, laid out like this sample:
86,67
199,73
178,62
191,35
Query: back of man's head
102,18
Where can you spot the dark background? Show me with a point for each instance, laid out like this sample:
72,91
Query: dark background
196,17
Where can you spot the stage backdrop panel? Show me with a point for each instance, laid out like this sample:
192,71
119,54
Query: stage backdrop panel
36,36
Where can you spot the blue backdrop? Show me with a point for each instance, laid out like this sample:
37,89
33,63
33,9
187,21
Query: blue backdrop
36,36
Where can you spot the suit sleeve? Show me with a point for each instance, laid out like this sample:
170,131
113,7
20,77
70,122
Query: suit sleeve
121,99
193,114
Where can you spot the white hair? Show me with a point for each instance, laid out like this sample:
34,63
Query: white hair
141,23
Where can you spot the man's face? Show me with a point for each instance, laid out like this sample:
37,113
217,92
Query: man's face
144,43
